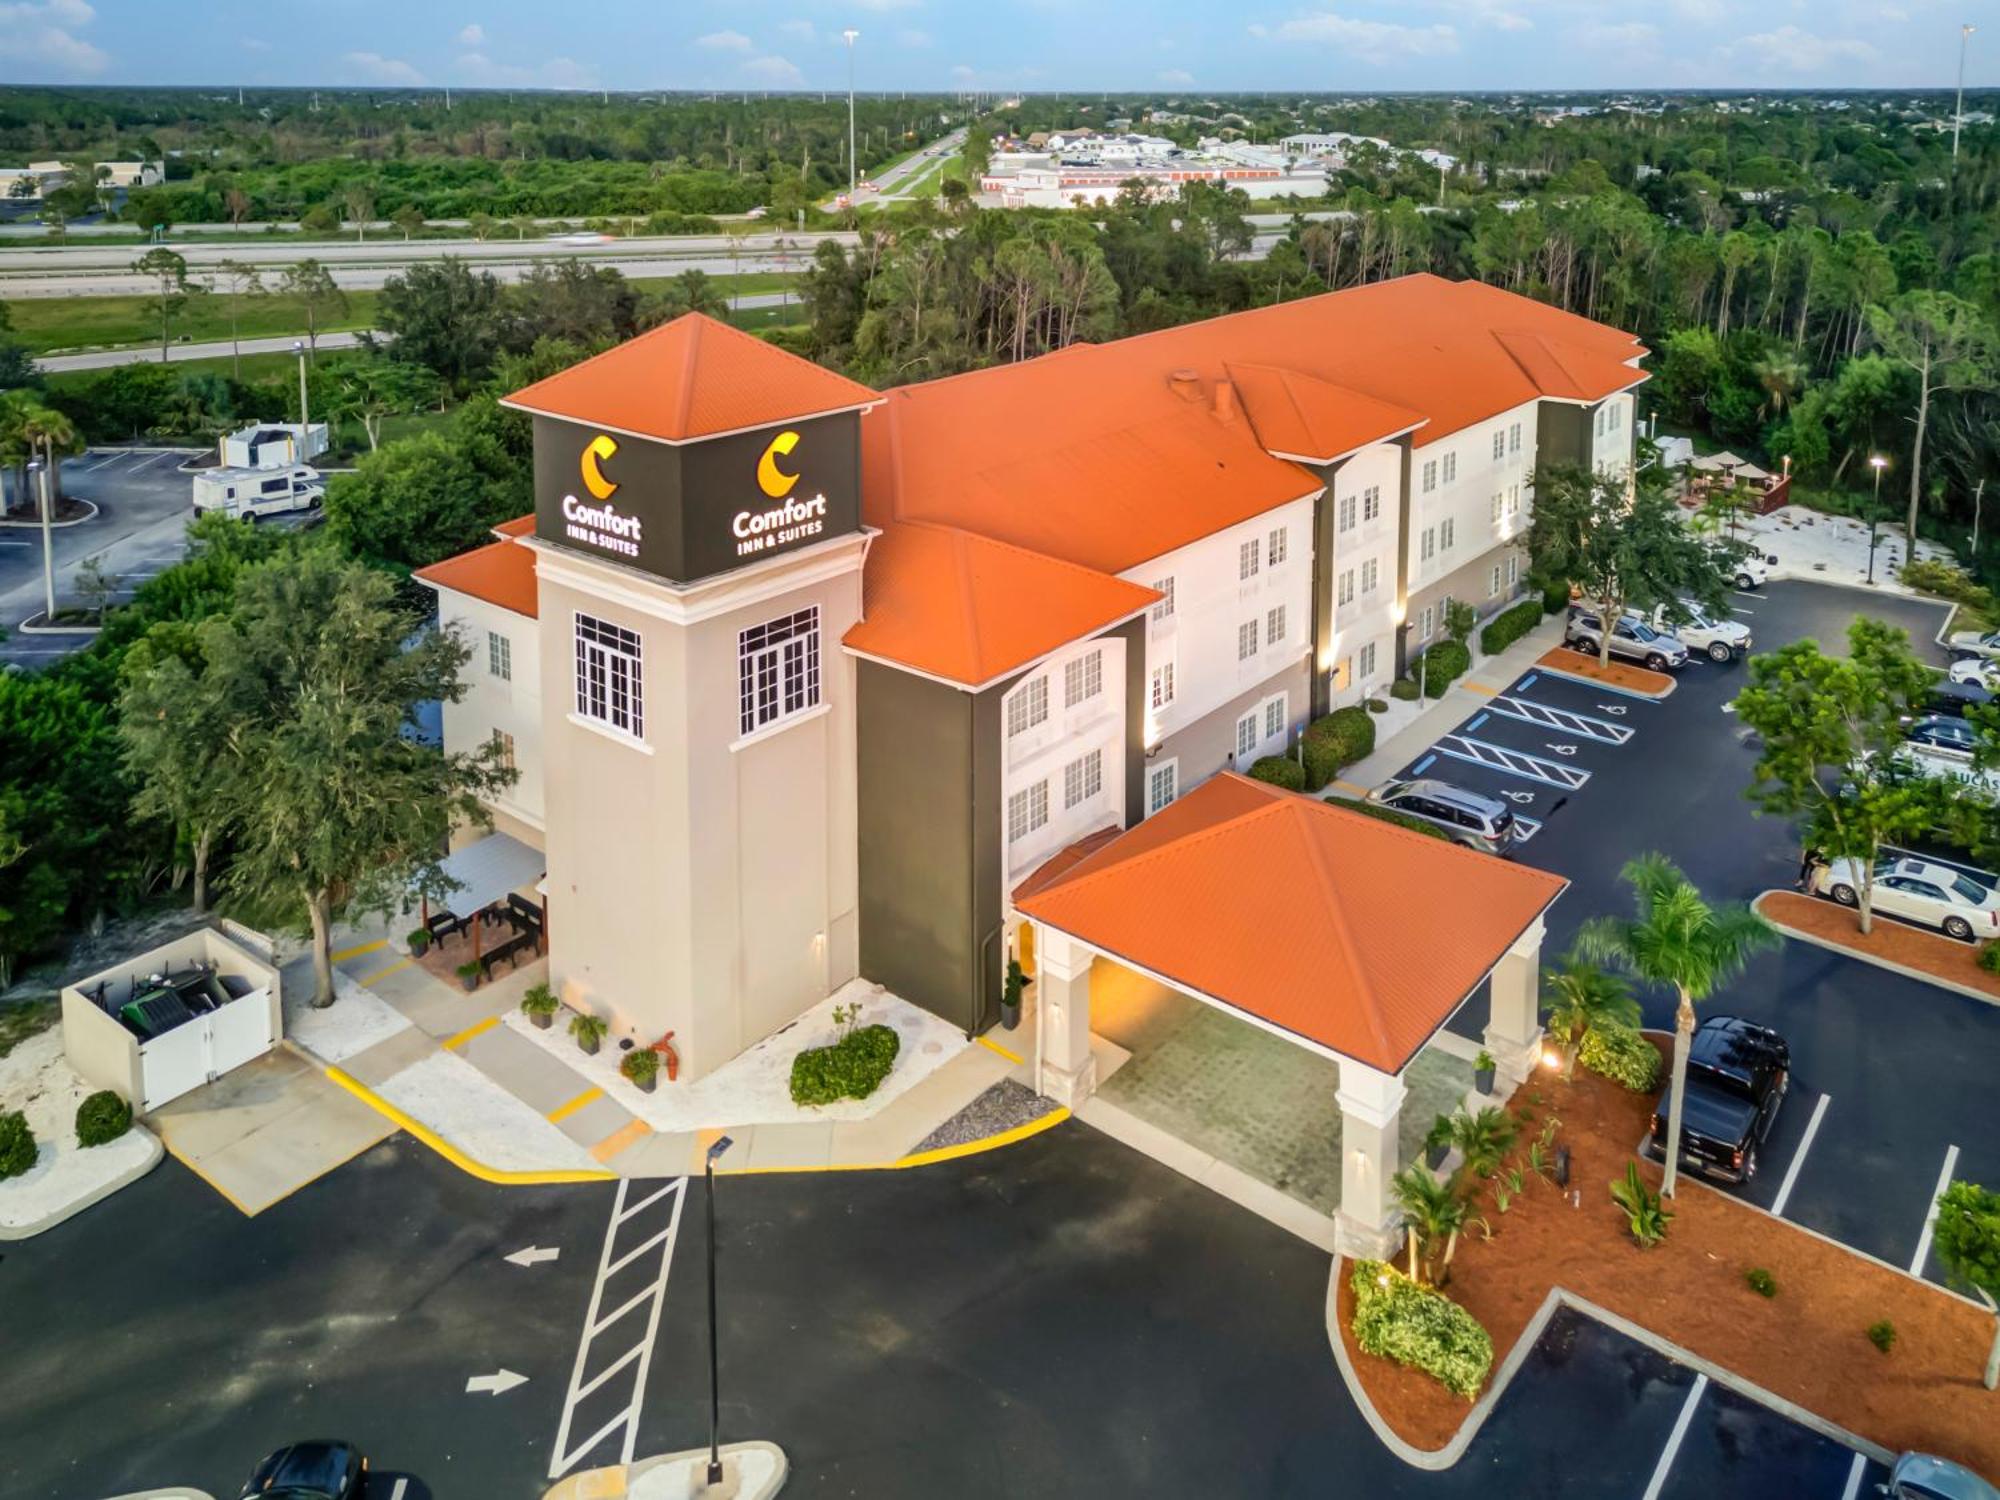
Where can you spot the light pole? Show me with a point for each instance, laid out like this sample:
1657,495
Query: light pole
1878,463
853,179
41,471
722,1144
305,417
1958,109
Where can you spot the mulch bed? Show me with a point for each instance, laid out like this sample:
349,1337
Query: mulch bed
1807,1344
1616,674
1891,942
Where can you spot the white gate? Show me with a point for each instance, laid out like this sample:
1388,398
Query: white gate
205,1048
238,1032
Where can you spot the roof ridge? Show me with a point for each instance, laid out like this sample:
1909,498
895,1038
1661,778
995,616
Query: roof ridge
689,361
1074,880
967,605
952,527
1369,1003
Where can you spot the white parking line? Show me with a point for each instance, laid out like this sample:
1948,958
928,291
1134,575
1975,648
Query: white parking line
1799,1157
1679,1435
1854,1477
1930,1217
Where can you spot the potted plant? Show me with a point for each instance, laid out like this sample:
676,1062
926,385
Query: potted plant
1437,1142
468,976
588,1030
1483,1069
419,941
1010,995
642,1066
539,1005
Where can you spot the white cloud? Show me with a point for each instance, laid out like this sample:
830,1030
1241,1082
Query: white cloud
1698,10
1498,14
1179,77
797,31
778,72
373,67
42,37
473,35
963,74
910,36
1372,41
725,41
555,73
1630,36
1791,50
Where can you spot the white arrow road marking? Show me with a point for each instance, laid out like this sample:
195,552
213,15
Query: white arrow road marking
498,1383
1729,707
533,1255
401,1485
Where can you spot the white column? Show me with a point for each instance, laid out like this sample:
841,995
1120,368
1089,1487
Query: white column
1068,1071
1369,1225
1514,1025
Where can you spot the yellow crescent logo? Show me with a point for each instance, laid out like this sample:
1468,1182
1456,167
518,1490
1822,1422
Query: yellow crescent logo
601,447
773,480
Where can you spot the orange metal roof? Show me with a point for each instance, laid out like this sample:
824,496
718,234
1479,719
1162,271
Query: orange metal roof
691,378
501,573
1339,928
1313,419
519,526
969,609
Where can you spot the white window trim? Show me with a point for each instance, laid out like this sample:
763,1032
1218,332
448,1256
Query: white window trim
1155,769
616,736
779,726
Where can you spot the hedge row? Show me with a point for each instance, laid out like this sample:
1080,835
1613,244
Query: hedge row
1621,1054
1280,770
852,1068
1416,1326
1444,661
1510,625
1340,739
1391,815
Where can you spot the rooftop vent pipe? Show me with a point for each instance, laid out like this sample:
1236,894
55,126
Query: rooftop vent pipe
1186,384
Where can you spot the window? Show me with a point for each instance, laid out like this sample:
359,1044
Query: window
1513,499
1028,707
607,676
1248,558
1163,608
1425,621
1514,438
1450,467
1617,416
1447,530
1428,547
1083,778
778,669
1345,593
1346,522
1498,502
499,656
1513,571
1163,684
1371,572
1600,421
1162,786
1083,679
1493,582
1430,475
1274,717
1027,810
1246,640
1246,735
1499,445
503,745
1368,661
1274,625
1371,502
1279,546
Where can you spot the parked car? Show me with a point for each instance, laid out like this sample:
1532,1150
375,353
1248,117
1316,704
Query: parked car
1752,570
1917,890
1978,671
1737,1076
1953,698
1473,819
1632,638
1922,1476
1721,639
1964,643
1942,734
321,1469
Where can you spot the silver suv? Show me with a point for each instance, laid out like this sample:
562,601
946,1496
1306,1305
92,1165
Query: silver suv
1631,638
1471,818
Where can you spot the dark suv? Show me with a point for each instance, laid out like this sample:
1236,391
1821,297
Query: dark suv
1737,1076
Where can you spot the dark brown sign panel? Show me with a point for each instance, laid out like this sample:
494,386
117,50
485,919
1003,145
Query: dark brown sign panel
689,511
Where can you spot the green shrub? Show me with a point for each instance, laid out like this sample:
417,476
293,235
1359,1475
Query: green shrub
1438,666
1645,1212
1947,581
1621,1054
640,1065
1509,626
1416,1326
1339,739
1989,957
1376,706
588,1029
1390,815
1403,690
1555,598
1280,770
540,1000
1882,1335
852,1068
17,1145
102,1118
1761,1281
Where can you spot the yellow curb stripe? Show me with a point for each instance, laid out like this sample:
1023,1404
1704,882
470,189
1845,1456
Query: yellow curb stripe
563,1111
477,1028
1351,789
1481,688
992,1046
358,949
626,1135
380,974
922,1158
228,1197
451,1153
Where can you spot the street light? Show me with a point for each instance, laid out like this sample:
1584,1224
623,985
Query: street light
1878,463
1958,110
41,470
722,1144
305,417
852,180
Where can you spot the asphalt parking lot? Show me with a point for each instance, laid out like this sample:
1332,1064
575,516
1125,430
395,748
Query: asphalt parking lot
1890,1076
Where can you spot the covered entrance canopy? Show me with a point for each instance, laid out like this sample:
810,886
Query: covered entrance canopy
485,874
1337,931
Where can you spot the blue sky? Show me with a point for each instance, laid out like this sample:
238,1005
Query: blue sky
1002,44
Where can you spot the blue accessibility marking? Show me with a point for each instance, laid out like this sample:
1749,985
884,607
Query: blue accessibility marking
1476,722
1419,768
1527,682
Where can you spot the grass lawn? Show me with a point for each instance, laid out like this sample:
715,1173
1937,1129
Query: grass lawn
255,367
49,325
932,183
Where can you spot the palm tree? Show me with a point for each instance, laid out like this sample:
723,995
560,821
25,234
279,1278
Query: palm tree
1781,375
1434,1214
48,430
1582,998
1677,938
1482,1139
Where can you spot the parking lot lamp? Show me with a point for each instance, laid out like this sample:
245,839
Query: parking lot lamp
41,472
722,1144
305,417
1878,463
853,166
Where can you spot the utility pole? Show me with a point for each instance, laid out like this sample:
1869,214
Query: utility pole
852,167
1978,493
41,472
1958,110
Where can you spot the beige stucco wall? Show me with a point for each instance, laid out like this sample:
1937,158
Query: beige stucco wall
1468,585
703,884
1208,744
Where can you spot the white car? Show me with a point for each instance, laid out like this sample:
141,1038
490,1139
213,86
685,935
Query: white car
1917,891
1753,569
1721,640
1980,671
1971,643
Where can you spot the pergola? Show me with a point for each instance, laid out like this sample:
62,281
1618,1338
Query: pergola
483,874
1341,933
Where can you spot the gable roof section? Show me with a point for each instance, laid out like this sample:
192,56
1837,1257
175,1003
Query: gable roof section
688,379
501,573
1324,923
963,607
1561,370
1315,420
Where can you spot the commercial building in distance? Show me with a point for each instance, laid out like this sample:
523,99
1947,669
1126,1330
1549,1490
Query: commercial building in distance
806,681
1067,169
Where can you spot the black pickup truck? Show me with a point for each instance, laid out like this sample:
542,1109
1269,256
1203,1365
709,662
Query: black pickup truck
1737,1076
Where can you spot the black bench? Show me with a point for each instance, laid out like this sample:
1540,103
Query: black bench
443,925
510,952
